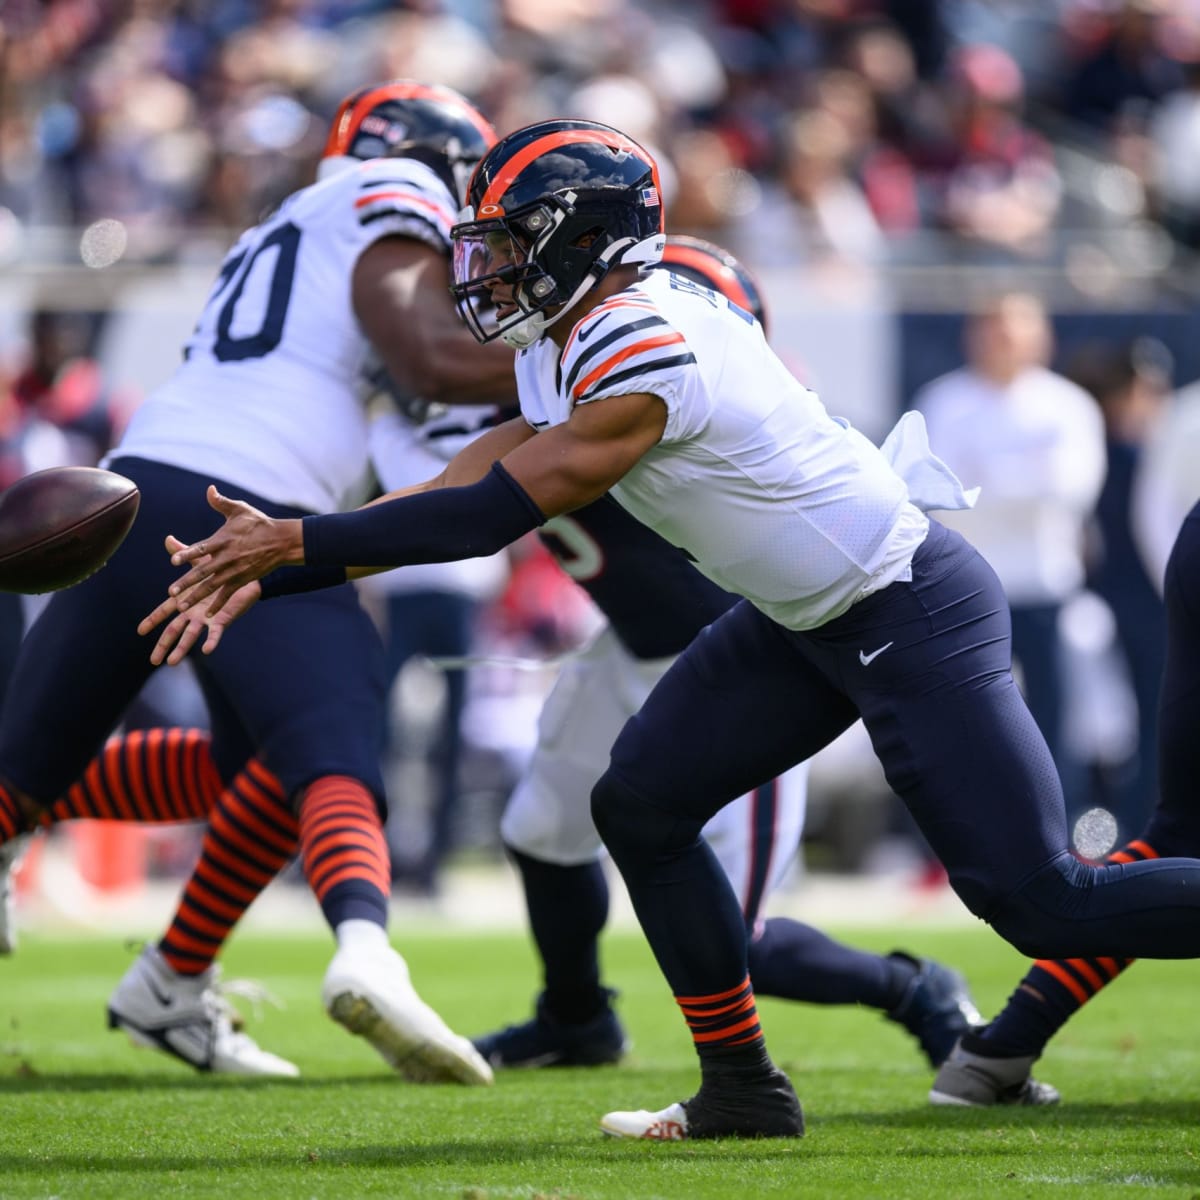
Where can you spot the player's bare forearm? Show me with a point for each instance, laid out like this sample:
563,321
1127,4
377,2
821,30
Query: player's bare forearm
402,302
475,460
572,464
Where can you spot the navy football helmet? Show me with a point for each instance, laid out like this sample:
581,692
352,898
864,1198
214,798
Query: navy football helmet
403,118
715,268
551,209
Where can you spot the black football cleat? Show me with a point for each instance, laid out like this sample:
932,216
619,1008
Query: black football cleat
769,1109
548,1042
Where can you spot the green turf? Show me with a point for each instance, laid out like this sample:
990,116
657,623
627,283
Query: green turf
84,1115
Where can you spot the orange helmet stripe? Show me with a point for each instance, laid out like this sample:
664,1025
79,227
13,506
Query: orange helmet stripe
356,106
543,145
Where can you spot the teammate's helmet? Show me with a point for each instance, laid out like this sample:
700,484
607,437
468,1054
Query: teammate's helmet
413,120
551,209
717,269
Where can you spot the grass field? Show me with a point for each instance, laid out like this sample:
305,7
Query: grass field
85,1115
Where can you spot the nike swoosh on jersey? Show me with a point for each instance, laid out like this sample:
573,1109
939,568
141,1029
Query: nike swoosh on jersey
584,334
606,372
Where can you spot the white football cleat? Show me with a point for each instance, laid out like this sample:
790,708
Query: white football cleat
968,1080
670,1125
186,1016
369,993
11,854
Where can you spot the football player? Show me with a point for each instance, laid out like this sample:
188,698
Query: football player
348,274
856,603
992,1065
656,602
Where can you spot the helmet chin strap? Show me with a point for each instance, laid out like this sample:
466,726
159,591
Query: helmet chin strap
649,250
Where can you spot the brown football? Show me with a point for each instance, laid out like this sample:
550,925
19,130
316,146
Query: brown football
59,526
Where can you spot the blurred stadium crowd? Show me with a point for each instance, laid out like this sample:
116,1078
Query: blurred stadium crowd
826,142
832,128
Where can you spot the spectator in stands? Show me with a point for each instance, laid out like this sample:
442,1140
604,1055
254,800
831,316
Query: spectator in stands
1168,480
1000,188
1034,442
1175,132
1131,384
1126,65
62,383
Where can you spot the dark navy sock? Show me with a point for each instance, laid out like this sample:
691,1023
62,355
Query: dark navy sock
798,962
568,906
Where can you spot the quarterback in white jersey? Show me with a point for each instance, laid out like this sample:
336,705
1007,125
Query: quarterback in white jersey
839,524
857,604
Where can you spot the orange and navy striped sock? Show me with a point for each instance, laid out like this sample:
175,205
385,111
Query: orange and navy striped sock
345,855
152,775
12,819
1052,992
250,838
723,1022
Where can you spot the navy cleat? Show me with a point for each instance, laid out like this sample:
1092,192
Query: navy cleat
970,1080
768,1109
548,1042
936,1008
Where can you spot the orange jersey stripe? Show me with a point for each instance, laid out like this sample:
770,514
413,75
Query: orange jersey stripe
411,197
663,339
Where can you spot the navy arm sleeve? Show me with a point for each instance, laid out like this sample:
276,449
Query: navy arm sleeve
438,526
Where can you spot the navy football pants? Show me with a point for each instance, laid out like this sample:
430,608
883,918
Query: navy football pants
926,664
297,680
1174,827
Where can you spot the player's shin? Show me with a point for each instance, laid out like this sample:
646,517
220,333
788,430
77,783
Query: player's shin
252,834
367,988
695,927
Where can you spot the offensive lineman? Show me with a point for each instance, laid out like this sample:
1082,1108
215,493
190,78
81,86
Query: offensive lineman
270,399
858,604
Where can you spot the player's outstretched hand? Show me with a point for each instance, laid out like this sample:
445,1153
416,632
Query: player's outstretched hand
184,629
248,546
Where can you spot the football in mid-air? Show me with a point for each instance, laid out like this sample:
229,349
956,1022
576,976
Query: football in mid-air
59,526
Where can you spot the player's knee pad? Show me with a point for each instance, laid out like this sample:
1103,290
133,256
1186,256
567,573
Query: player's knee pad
633,829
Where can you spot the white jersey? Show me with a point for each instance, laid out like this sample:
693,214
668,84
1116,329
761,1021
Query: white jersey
772,498
270,393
